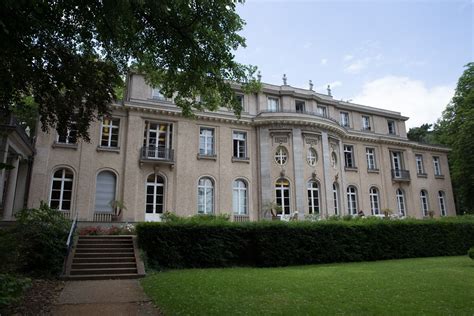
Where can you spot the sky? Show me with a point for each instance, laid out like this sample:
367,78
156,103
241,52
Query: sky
404,56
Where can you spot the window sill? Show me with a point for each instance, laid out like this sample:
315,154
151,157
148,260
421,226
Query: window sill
206,157
64,145
439,176
354,169
109,149
367,130
422,175
244,160
373,170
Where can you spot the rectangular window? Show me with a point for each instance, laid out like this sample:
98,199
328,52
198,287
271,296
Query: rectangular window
156,94
437,166
322,111
419,164
370,153
391,127
240,99
300,106
70,137
206,141
273,104
240,144
349,156
366,123
345,119
157,140
109,132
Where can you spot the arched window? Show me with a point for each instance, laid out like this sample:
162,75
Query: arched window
105,191
281,155
155,191
352,200
401,202
374,201
61,190
335,195
239,197
311,157
424,202
205,196
442,203
313,197
282,192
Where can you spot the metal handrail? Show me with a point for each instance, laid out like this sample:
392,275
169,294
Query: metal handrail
157,153
72,230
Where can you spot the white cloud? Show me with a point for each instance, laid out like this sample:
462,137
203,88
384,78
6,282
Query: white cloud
409,96
357,66
348,57
307,45
324,61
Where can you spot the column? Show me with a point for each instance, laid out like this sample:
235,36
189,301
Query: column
265,160
11,188
327,174
298,171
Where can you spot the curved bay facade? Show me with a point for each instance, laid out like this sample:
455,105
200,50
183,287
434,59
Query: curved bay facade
302,150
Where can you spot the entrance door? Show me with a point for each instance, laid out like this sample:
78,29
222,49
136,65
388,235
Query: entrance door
155,196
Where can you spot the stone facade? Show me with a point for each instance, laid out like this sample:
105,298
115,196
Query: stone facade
289,138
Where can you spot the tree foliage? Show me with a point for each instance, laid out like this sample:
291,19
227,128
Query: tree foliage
456,129
71,57
422,134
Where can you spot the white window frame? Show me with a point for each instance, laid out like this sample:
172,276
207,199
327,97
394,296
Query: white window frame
67,137
296,106
111,128
311,156
345,119
437,166
280,192
239,192
239,150
425,207
349,151
204,189
371,161
394,129
352,200
205,139
322,110
420,168
62,180
335,195
314,198
155,184
281,156
401,203
366,123
442,203
374,197
156,151
273,104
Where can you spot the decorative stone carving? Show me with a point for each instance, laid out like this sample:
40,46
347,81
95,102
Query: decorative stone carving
280,139
311,141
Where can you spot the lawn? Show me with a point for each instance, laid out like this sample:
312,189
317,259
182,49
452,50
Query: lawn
439,286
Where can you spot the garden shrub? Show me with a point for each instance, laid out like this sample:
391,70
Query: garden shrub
127,229
41,236
471,253
11,289
219,244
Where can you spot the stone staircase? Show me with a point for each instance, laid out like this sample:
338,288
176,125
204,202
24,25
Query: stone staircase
104,257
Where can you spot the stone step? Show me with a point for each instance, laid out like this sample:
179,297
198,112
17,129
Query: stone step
104,250
116,237
104,241
104,255
108,245
103,259
103,271
103,265
104,276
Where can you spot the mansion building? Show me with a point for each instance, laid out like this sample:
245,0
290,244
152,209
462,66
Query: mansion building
304,151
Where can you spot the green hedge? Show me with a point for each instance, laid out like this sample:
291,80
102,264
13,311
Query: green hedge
265,244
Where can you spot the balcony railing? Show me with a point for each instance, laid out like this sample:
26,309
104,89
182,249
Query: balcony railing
323,115
159,153
400,175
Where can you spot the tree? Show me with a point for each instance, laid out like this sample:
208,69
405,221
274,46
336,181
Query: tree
456,129
71,58
421,134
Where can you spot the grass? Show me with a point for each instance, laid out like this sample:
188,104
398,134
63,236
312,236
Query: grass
434,286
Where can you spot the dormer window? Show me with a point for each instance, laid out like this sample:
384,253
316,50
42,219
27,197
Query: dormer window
391,127
273,104
156,94
366,123
345,119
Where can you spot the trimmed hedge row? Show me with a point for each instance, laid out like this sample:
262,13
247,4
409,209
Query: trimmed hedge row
266,244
